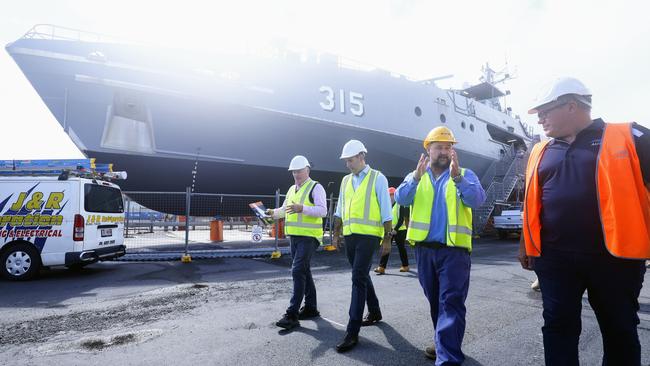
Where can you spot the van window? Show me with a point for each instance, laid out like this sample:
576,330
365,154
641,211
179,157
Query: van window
103,199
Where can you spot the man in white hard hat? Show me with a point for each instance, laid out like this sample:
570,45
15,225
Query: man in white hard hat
587,224
364,214
303,210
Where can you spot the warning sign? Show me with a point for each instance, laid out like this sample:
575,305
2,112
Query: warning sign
256,236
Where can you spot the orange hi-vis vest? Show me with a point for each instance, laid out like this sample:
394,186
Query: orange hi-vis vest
623,199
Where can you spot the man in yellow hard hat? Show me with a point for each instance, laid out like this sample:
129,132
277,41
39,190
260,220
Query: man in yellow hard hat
442,195
303,211
364,214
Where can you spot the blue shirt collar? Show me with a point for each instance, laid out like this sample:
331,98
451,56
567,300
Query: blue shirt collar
363,172
433,178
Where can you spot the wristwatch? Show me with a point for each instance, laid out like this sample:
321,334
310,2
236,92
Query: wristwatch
457,178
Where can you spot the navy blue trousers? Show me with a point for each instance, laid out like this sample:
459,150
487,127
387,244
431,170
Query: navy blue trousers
444,276
613,286
360,250
302,249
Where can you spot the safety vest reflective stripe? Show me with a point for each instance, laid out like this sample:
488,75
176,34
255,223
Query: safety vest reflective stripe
361,222
459,229
419,225
301,224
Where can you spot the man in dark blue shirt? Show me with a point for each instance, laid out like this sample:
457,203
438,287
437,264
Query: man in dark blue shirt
574,256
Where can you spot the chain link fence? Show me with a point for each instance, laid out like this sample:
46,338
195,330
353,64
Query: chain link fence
170,224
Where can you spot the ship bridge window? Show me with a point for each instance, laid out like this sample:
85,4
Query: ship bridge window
418,111
443,118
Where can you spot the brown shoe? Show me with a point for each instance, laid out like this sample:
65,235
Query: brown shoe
430,352
380,270
404,268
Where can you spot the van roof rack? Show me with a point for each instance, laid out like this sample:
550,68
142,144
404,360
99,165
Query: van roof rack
85,168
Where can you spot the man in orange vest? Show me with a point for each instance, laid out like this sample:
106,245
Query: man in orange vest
587,224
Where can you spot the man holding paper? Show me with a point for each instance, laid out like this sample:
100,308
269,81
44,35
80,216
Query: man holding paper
303,209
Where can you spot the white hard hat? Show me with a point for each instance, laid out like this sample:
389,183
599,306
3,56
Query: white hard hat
298,162
560,87
352,148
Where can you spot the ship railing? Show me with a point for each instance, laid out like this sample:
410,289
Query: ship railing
55,32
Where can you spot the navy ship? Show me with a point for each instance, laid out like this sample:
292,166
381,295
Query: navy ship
231,123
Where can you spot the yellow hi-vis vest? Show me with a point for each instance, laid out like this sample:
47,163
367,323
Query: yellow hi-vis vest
360,210
459,216
297,223
396,208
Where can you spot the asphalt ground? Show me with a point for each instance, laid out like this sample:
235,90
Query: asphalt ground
222,312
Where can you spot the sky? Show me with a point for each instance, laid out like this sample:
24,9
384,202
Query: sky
606,44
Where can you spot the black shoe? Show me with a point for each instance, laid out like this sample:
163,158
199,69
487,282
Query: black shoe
348,343
430,352
288,321
307,313
371,319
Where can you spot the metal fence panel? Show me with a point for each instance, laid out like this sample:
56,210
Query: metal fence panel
202,224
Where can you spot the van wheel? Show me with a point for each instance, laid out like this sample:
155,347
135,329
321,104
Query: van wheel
20,262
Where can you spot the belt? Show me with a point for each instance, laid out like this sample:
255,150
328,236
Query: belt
436,245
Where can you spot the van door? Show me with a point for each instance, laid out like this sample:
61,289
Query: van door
39,211
103,210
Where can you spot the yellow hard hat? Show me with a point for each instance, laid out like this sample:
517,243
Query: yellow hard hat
439,134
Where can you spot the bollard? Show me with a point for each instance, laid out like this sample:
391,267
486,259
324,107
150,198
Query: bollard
216,231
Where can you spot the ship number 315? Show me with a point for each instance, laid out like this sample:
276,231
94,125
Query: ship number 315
355,100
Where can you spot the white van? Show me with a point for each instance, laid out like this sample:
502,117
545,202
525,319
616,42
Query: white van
58,221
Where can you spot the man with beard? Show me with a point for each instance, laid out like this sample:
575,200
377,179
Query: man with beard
442,195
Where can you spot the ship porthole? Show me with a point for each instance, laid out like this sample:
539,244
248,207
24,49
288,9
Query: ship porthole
443,118
471,127
462,124
418,111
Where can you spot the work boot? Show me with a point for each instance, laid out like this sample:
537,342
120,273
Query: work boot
535,285
348,342
404,268
380,270
308,313
430,352
288,321
371,319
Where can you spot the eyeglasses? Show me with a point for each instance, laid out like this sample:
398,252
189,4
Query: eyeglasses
544,113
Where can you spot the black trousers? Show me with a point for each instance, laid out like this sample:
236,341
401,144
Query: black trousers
613,286
360,250
400,240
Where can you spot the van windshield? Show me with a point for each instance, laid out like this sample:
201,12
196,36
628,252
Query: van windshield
103,199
